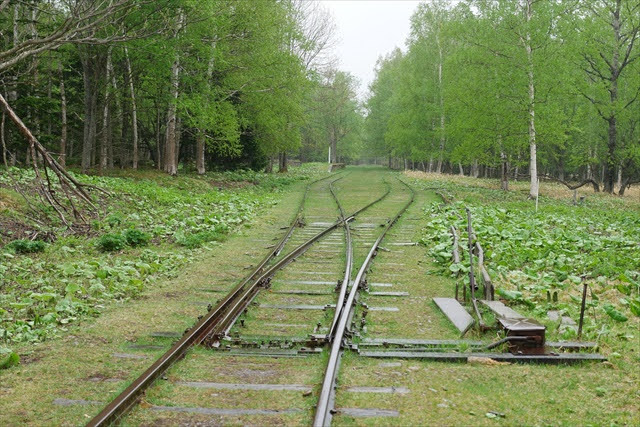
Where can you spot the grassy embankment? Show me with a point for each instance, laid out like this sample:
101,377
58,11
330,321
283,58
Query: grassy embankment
150,227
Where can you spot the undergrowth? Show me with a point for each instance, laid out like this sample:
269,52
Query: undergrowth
538,259
150,226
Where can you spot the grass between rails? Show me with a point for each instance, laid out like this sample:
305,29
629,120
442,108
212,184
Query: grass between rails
151,227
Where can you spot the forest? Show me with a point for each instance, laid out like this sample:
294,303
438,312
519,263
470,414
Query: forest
172,84
528,90
210,216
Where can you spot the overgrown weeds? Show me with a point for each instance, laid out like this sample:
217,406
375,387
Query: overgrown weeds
151,229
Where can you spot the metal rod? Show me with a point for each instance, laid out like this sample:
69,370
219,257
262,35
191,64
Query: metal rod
584,301
348,266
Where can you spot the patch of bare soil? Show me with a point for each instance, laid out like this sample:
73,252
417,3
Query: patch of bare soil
11,229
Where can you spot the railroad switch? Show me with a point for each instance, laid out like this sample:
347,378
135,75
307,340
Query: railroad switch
524,336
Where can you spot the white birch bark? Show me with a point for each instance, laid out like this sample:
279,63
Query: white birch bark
134,109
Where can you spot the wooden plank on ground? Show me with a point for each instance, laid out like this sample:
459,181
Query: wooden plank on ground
455,312
501,310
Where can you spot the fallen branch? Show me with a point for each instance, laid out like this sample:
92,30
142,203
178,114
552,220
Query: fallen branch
596,186
73,189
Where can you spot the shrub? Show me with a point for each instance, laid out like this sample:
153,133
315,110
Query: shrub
8,358
27,246
114,219
111,242
135,237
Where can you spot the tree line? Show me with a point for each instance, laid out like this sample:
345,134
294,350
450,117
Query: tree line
170,84
527,89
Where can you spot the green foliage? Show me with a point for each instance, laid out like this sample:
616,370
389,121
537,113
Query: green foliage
614,313
533,256
22,246
195,240
8,358
482,80
78,276
111,242
136,238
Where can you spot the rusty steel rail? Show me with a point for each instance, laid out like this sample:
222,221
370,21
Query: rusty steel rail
128,398
223,327
347,269
325,406
219,319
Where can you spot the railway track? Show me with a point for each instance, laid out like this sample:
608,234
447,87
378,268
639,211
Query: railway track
212,328
301,335
344,316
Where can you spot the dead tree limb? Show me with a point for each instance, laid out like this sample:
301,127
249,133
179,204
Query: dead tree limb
596,186
73,189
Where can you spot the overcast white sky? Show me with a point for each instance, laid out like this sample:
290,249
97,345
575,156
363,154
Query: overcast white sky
367,29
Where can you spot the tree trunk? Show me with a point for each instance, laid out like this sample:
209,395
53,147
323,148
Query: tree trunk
533,162
13,88
170,154
4,146
609,168
461,169
609,172
626,183
34,114
90,110
49,98
283,162
441,96
119,115
63,120
269,167
158,140
333,147
200,140
134,109
171,142
504,180
105,116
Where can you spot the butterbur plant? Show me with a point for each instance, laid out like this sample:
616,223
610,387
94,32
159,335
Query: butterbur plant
27,246
111,242
136,237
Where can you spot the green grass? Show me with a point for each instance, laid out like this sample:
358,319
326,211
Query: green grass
598,394
534,254
79,364
153,226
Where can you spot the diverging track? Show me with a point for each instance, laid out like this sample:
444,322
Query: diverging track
344,315
309,238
